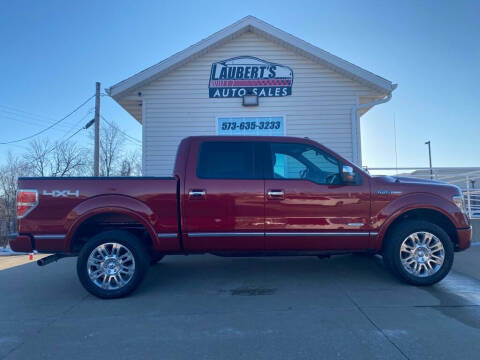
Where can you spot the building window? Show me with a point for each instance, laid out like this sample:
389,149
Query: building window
253,126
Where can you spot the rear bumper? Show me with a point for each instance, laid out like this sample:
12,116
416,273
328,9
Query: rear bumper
20,243
464,238
43,243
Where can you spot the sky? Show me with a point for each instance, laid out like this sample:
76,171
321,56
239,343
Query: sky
53,52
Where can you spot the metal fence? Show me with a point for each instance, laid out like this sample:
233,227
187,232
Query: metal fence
472,201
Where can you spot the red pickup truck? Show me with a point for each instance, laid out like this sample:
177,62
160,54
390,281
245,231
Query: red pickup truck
241,196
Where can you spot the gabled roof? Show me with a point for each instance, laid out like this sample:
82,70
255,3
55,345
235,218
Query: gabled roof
251,23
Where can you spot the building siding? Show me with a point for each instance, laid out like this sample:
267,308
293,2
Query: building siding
177,104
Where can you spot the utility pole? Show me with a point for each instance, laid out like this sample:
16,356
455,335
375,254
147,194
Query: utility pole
96,151
430,158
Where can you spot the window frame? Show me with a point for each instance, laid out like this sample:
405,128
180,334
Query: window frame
269,174
258,165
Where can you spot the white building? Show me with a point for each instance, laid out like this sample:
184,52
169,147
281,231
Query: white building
301,91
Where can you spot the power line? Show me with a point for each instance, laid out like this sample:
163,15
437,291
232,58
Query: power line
37,122
135,140
123,132
17,110
28,121
79,121
49,127
86,126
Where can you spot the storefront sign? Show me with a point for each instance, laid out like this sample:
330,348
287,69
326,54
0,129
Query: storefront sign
246,75
253,126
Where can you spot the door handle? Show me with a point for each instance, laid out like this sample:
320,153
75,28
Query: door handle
276,194
196,194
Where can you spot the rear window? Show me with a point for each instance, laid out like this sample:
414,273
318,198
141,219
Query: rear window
227,160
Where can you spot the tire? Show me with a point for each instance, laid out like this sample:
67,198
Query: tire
112,264
421,265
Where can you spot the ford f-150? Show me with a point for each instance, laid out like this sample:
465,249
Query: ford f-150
241,196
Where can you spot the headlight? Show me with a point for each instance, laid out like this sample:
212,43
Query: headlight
460,202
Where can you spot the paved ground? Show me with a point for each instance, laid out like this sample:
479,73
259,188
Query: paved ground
205,307
8,261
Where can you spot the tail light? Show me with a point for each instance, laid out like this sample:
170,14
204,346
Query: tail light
27,200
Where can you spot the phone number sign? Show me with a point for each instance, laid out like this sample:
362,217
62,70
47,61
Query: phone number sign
253,126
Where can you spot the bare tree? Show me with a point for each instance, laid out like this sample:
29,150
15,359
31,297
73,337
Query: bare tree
45,158
131,164
9,174
37,156
111,150
69,159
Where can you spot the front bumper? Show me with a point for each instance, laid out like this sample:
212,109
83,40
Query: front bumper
464,238
20,243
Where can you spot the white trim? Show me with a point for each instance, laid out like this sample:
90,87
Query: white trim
358,135
250,23
355,120
144,136
354,123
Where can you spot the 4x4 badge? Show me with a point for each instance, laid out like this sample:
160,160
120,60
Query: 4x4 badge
61,193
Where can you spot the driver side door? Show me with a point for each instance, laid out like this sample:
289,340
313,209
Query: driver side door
307,207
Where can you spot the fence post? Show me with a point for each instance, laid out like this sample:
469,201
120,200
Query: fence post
469,205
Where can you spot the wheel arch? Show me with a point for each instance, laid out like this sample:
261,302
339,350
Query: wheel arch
121,211
110,218
431,214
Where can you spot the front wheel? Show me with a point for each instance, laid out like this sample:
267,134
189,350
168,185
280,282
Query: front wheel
419,252
112,264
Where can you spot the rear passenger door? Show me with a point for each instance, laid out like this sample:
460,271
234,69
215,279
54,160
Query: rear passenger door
224,197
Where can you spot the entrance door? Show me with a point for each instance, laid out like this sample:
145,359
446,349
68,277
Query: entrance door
224,196
308,207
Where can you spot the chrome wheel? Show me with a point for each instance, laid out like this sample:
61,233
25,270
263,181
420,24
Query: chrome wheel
422,254
111,266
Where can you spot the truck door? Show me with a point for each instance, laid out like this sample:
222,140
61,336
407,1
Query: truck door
224,197
307,207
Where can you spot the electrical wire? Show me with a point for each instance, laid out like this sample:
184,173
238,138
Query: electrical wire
50,126
79,121
134,140
86,126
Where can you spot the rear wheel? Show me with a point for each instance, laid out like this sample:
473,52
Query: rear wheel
112,264
419,252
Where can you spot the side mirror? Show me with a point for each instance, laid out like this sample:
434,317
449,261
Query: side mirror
348,175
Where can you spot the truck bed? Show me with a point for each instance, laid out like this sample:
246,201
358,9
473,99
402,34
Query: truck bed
64,203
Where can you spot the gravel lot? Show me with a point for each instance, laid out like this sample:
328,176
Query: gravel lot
206,307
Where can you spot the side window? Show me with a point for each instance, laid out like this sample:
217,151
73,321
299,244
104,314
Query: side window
227,160
287,167
301,161
322,160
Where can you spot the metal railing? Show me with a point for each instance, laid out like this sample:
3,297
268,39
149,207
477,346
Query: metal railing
472,202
